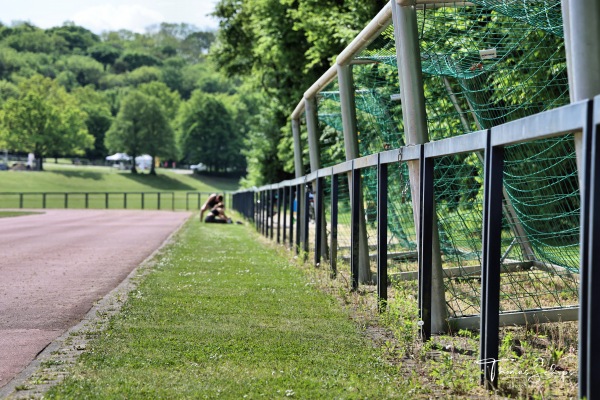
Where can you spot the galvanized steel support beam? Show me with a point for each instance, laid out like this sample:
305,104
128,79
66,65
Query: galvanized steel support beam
415,125
348,109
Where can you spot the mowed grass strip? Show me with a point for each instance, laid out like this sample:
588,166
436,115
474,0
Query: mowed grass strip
223,315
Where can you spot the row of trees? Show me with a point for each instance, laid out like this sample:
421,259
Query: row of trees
279,48
66,91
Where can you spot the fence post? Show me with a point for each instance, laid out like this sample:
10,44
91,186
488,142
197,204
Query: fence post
299,207
382,226
491,264
348,110
426,217
589,323
312,127
291,206
306,220
334,222
320,222
415,124
355,189
283,202
256,202
279,198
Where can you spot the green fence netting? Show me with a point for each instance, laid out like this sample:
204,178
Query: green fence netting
483,65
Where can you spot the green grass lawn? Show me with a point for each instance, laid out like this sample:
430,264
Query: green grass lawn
223,315
69,178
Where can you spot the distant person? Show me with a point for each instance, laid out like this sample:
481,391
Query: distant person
30,160
210,203
217,215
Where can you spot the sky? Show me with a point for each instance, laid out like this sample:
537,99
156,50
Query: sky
108,15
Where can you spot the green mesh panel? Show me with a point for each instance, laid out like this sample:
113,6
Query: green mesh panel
483,65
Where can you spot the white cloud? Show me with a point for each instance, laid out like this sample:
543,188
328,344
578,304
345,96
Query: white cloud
110,17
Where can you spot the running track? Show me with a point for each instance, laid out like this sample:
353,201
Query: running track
55,265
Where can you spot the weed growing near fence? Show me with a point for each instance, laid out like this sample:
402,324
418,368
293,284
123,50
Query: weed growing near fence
536,362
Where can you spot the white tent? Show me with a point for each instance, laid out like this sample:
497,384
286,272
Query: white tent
118,157
144,161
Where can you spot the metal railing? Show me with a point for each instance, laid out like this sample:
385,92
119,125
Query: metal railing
105,200
268,207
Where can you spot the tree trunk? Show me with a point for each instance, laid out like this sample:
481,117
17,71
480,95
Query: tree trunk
152,167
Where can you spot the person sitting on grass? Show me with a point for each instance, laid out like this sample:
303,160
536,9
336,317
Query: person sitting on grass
210,203
217,215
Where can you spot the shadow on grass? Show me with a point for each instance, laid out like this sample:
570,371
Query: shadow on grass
223,182
92,175
159,182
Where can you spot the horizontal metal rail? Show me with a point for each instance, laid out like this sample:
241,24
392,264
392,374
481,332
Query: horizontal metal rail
573,118
106,199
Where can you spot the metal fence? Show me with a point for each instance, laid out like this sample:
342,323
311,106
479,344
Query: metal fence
348,210
272,206
105,200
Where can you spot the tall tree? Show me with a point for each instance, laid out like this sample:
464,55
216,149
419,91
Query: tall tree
207,134
45,120
141,127
282,47
99,118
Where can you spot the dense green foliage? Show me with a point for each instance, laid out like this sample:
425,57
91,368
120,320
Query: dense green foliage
43,119
281,47
68,77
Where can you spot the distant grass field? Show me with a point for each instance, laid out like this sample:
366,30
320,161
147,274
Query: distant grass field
69,178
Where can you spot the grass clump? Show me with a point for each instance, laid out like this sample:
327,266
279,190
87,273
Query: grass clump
10,214
222,315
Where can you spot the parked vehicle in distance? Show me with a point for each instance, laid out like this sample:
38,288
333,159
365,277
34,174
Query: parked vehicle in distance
198,167
3,167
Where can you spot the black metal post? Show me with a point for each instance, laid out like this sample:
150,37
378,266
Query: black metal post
318,199
490,311
158,201
298,219
426,218
43,201
382,226
305,238
291,202
355,224
589,323
283,202
143,201
257,210
334,225
262,212
66,200
271,212
125,201
279,197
